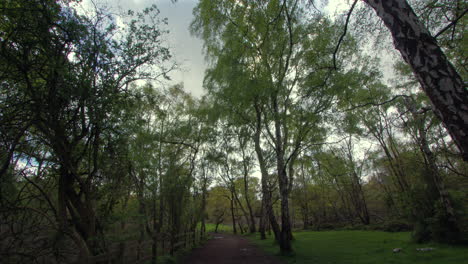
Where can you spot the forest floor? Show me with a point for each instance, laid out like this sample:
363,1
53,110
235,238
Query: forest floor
226,248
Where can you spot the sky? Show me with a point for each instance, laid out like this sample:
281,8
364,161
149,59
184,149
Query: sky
186,49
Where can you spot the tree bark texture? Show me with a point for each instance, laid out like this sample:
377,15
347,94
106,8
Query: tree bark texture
267,208
233,216
262,224
437,76
203,206
283,180
251,219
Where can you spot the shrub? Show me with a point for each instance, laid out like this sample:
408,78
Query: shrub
396,226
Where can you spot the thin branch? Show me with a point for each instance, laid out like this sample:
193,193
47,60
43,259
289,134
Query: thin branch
376,104
178,143
274,20
44,194
344,33
453,23
12,148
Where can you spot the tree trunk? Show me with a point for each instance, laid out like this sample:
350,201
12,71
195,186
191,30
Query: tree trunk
81,211
272,223
304,200
154,234
239,223
142,212
283,180
263,220
142,228
237,201
266,194
203,207
447,225
234,229
251,219
252,227
62,215
437,76
286,234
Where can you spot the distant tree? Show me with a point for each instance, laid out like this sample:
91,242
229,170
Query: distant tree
274,77
218,203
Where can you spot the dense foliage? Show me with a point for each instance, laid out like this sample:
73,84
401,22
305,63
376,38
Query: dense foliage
298,130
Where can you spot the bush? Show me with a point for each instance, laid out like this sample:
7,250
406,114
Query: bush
167,260
326,226
357,227
396,226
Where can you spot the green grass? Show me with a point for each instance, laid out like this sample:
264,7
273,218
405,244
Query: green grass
221,228
361,247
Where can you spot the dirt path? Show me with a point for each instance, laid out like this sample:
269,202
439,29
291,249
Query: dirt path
229,249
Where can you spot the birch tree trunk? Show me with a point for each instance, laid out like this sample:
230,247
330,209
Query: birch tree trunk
268,215
234,228
251,217
437,76
283,180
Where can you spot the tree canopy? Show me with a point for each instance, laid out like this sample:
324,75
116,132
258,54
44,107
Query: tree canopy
298,129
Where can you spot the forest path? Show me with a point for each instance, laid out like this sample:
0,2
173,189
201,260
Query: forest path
229,249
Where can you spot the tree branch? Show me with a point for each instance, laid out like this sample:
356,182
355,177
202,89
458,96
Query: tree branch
344,33
453,23
178,143
376,104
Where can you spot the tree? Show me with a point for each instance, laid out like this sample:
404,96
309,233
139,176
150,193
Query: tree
437,76
66,74
218,204
247,166
304,191
444,226
346,175
275,78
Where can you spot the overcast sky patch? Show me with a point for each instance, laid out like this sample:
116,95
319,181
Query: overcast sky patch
187,50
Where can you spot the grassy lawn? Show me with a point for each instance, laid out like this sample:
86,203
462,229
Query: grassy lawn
360,247
221,228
